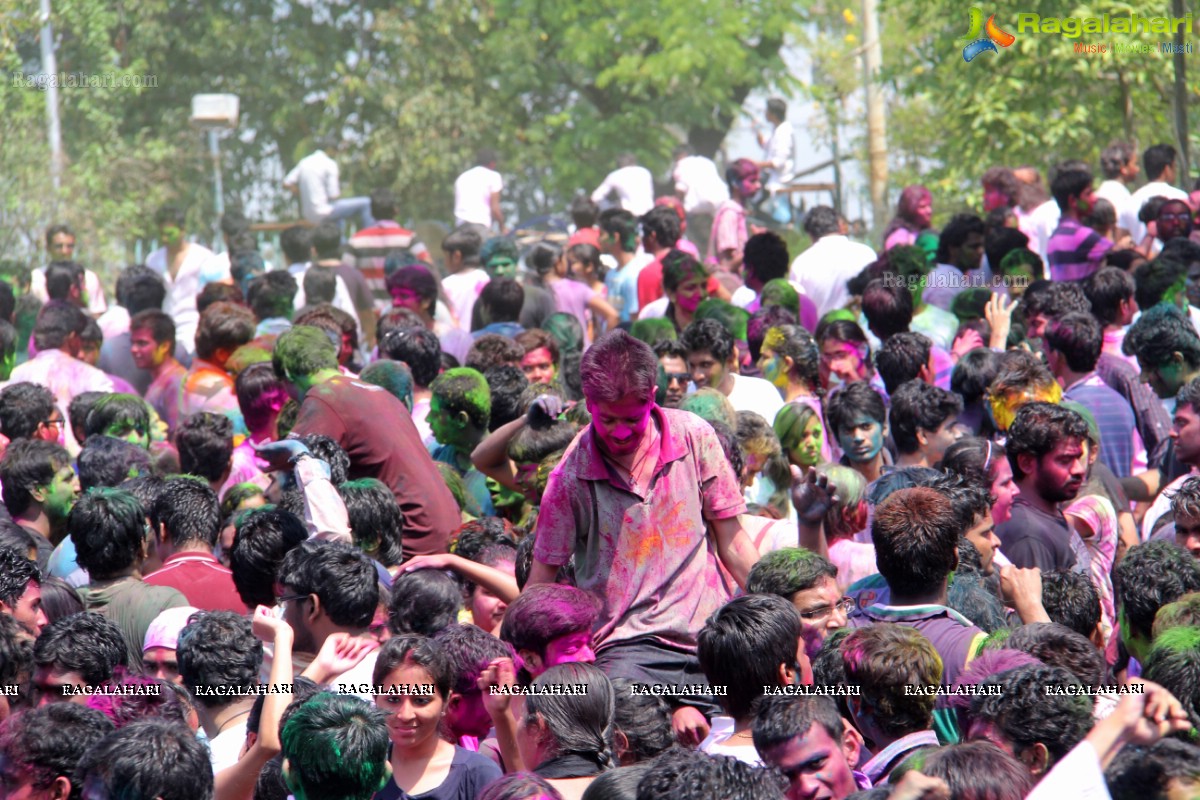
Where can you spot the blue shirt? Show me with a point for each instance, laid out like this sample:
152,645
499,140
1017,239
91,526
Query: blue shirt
622,289
474,480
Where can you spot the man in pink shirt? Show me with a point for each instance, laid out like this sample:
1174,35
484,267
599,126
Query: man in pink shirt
633,500
729,231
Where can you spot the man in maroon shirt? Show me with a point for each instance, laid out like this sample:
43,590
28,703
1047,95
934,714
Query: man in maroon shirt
376,431
187,520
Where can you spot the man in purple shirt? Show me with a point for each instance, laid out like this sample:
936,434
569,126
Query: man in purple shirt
1045,451
1073,345
1074,250
916,532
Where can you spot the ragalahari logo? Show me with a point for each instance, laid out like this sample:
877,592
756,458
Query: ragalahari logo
984,38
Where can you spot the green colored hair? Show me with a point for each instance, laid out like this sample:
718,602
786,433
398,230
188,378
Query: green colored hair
679,268
788,570
779,292
1020,257
1088,417
1183,612
996,640
1185,638
499,246
851,487
732,318
653,330
711,406
303,350
908,261
336,747
463,389
836,315
790,422
970,303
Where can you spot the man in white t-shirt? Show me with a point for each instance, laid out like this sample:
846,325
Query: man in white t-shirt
315,181
697,182
822,270
633,184
1120,166
713,359
779,158
466,277
186,268
1159,163
477,194
60,244
701,188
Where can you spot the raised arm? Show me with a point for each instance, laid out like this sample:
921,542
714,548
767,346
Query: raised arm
236,782
490,456
501,584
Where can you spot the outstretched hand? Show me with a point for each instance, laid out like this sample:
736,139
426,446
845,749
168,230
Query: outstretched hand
280,454
340,653
999,312
544,409
964,343
1150,715
812,495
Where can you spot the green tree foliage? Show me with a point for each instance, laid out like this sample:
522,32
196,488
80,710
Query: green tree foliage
411,90
1036,102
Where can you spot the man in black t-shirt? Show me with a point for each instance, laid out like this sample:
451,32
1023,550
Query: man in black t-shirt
1046,453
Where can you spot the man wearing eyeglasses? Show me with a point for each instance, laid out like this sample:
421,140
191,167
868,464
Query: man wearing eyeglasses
809,582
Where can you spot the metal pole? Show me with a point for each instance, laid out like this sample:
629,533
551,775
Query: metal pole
834,119
214,149
1181,99
50,68
876,120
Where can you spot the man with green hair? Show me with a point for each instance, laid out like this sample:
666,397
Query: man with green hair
375,430
500,257
335,747
809,582
780,292
458,416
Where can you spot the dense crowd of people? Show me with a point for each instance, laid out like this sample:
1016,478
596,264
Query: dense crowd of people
656,510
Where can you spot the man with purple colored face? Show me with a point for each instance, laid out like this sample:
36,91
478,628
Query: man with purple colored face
633,499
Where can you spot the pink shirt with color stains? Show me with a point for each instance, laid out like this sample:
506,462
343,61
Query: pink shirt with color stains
648,559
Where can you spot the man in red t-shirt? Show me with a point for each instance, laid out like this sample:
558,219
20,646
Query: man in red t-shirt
376,431
187,521
660,232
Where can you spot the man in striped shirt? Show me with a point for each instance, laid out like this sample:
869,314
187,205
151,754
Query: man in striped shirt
370,247
1075,250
